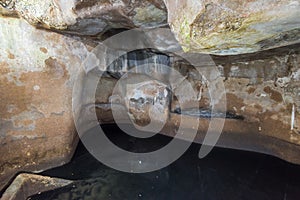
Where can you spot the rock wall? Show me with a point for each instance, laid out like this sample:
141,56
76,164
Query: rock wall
261,90
227,27
37,70
91,17
43,44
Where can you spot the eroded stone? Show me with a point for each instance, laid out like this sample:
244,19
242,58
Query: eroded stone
26,185
36,81
234,27
90,17
259,108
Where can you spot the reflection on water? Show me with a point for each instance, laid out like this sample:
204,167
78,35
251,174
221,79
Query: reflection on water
223,174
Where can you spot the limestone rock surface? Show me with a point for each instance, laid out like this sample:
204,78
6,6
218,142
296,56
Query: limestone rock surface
37,71
227,27
91,17
25,185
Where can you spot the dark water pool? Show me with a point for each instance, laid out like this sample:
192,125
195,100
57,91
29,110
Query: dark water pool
223,174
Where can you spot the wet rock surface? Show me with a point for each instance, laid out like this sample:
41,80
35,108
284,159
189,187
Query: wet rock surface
25,185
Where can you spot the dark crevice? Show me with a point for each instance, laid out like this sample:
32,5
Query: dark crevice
207,113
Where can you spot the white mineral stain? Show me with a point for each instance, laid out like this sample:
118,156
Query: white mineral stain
36,88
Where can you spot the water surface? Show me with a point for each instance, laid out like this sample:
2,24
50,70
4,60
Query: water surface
223,174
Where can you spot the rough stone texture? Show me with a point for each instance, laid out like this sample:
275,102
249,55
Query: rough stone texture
146,99
91,17
261,91
37,71
234,26
26,185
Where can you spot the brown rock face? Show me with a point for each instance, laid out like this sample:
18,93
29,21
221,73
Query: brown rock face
38,69
262,101
90,17
36,78
146,100
234,27
26,185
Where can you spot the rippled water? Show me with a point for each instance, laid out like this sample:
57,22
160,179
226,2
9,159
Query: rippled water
223,174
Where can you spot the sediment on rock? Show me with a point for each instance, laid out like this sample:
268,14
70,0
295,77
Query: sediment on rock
234,27
37,131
